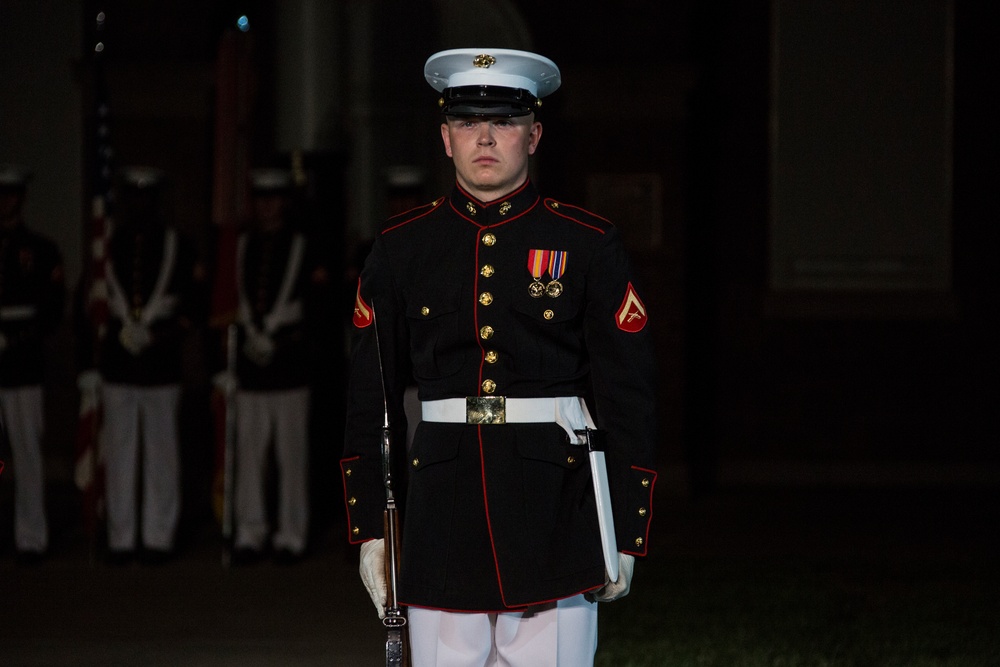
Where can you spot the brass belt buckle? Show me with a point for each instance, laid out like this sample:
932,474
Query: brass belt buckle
485,410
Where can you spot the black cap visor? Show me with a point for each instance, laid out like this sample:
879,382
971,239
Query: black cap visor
487,101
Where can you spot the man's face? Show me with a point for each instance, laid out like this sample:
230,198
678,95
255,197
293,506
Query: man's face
491,154
269,211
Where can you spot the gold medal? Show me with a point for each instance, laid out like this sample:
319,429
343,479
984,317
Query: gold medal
538,261
557,266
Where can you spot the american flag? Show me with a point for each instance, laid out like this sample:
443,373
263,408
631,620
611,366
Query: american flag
88,473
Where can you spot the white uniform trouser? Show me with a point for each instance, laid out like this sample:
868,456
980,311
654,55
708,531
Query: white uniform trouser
559,634
134,414
23,419
285,414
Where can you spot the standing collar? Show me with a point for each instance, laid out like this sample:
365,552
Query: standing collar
504,209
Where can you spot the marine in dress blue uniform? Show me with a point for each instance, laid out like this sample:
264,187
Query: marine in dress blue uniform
277,279
154,282
32,296
520,305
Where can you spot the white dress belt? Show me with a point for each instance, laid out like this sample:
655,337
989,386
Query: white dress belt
568,411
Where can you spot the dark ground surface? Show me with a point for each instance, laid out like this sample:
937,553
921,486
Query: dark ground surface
710,565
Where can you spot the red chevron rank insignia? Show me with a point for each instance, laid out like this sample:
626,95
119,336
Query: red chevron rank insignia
362,311
631,315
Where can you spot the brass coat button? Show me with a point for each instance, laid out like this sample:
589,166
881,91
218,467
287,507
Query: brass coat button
416,462
352,501
571,460
548,314
486,298
425,311
491,357
489,386
645,482
486,332
487,271
489,239
356,530
642,511
638,542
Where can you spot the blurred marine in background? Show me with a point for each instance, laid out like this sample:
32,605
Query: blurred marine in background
154,291
277,276
32,296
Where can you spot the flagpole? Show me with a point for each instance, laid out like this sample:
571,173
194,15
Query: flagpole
95,294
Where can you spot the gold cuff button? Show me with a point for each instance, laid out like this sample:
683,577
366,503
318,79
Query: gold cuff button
638,541
355,531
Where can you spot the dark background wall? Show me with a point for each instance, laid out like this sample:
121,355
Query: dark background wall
662,125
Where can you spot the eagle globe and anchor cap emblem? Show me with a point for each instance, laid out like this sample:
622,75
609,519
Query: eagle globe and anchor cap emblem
483,60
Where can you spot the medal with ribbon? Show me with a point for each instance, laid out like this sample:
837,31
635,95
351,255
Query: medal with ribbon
557,266
538,262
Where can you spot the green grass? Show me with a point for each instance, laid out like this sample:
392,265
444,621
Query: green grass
804,612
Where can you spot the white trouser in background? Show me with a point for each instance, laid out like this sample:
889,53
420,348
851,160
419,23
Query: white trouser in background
559,634
23,418
285,416
134,414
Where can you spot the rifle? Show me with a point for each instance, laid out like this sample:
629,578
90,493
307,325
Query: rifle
396,650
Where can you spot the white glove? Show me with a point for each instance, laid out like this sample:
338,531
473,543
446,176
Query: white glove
258,347
134,337
89,380
614,590
225,381
373,572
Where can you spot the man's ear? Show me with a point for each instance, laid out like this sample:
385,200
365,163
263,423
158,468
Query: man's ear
446,138
534,137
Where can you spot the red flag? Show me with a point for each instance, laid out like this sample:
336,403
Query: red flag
235,91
